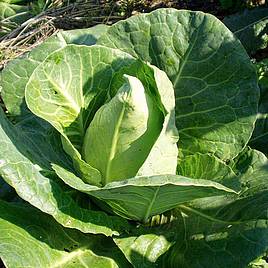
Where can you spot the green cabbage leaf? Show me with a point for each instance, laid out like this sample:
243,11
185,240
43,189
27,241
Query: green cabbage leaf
134,145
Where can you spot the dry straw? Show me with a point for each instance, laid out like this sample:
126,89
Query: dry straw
81,14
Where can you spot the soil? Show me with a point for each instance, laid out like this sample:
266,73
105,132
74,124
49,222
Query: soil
261,54
211,6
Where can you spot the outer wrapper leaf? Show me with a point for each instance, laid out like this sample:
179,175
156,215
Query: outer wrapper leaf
16,74
140,198
215,83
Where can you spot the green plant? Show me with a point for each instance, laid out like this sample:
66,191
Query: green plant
134,139
260,134
251,27
230,4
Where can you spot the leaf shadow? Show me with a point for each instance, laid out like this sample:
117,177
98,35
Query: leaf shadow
45,229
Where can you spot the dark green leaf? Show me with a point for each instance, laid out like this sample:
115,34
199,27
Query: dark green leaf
207,167
251,27
30,238
259,139
251,168
203,243
6,191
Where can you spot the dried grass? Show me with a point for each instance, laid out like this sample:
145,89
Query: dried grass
34,31
64,14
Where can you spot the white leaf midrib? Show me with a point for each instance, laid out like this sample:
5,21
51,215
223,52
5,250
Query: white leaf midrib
114,142
65,94
186,57
67,258
150,206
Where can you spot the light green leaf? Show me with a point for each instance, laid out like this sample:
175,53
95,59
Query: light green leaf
143,246
62,88
250,26
88,173
130,123
29,238
259,263
67,96
140,198
69,104
23,171
207,167
16,74
215,83
14,13
88,36
162,158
